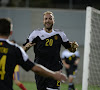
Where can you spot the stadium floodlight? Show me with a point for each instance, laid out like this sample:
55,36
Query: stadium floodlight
91,67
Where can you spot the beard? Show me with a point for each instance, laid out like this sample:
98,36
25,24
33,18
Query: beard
48,28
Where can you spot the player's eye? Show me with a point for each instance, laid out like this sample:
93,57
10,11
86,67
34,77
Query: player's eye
45,18
50,18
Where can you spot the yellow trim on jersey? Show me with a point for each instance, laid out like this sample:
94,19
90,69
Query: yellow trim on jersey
58,83
16,68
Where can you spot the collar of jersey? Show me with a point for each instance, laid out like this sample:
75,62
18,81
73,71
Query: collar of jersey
2,39
47,32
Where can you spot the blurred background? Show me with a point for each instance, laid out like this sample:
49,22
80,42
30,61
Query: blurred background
27,15
64,4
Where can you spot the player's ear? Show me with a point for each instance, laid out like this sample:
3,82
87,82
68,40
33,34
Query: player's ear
11,32
11,29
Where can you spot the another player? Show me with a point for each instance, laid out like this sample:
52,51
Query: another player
47,43
16,75
16,78
70,61
12,54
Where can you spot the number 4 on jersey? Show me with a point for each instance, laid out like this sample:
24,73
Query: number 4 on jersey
2,66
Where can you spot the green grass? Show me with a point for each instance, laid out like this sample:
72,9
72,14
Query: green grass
32,86
64,86
28,85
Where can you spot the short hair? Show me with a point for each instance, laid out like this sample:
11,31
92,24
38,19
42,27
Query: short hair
48,12
5,26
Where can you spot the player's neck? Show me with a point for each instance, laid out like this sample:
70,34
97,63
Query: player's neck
4,37
48,30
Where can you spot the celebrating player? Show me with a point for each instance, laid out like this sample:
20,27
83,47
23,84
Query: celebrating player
47,43
12,54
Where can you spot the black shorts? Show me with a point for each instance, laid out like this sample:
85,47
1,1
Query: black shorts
46,83
71,71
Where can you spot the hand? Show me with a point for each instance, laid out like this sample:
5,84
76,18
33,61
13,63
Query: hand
67,66
60,76
28,45
74,46
41,70
77,61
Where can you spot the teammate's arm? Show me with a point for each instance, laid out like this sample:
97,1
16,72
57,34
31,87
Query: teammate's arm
23,60
41,70
30,41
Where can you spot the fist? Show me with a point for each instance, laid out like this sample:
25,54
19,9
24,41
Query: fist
74,47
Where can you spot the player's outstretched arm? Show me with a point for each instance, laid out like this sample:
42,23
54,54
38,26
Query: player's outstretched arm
74,46
28,45
41,70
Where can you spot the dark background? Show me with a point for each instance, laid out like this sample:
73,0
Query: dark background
63,4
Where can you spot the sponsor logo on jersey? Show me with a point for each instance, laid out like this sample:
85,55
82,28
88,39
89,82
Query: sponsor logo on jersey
42,36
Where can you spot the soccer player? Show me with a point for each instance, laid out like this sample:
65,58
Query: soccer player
16,78
16,75
47,43
70,61
12,54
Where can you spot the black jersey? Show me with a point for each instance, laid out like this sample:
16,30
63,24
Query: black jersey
47,48
70,57
11,55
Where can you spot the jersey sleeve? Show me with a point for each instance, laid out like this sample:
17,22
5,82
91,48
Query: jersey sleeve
23,60
65,41
31,38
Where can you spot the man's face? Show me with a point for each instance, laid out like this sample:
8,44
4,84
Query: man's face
48,21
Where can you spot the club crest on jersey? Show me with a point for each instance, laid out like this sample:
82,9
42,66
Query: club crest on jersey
55,37
1,43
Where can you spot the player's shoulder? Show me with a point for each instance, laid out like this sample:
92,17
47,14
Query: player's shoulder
38,29
35,32
65,51
58,30
13,46
77,53
11,43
